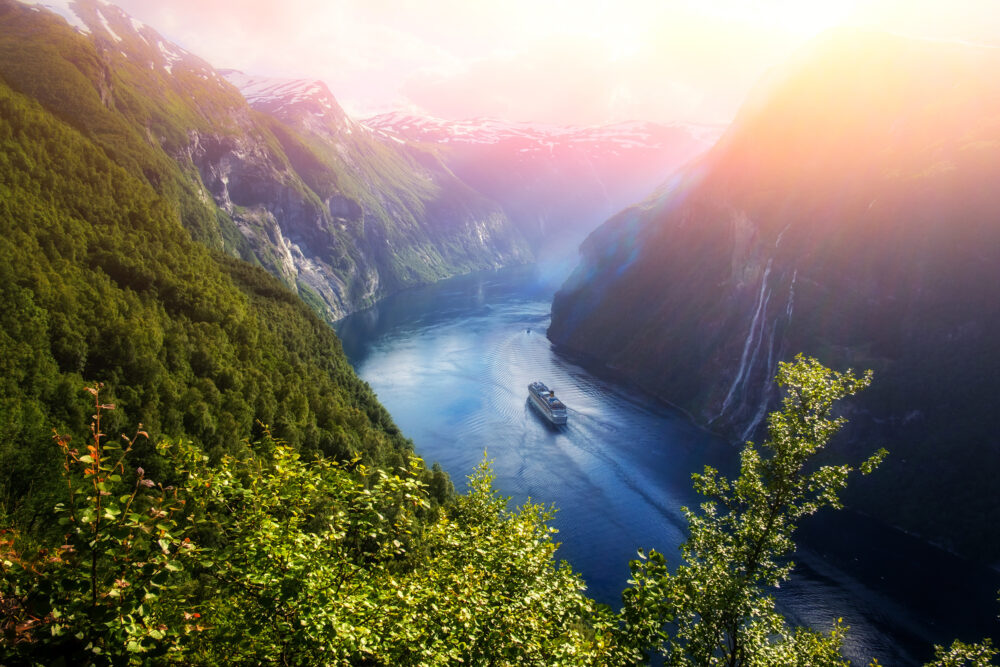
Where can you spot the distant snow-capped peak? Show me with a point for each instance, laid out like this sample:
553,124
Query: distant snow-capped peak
623,135
260,89
289,96
475,130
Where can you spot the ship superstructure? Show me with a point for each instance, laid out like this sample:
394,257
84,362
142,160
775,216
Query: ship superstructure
544,399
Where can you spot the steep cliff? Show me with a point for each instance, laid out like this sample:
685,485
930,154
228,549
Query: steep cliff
404,218
296,186
850,213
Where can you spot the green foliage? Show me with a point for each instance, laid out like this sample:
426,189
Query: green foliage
315,564
297,548
713,610
96,598
489,592
960,654
269,557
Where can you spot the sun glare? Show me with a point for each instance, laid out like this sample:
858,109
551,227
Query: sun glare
802,17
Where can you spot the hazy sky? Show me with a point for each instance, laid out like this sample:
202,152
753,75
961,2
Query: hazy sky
559,61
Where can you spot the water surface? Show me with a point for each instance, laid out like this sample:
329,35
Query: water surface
452,362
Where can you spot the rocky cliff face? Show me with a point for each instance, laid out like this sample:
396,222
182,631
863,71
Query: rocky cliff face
850,214
281,177
403,210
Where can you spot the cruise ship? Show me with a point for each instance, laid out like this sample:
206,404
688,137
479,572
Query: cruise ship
545,400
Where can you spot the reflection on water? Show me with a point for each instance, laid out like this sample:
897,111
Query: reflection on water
452,363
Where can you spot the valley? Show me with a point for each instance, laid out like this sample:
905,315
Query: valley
265,356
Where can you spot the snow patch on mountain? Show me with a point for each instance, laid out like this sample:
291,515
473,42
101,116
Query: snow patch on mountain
257,89
309,101
172,54
138,26
62,8
107,26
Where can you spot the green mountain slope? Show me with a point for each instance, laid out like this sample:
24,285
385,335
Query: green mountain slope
135,117
100,282
340,219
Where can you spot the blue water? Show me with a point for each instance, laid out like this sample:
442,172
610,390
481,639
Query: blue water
452,362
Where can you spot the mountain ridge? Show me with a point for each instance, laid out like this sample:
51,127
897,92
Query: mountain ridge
246,177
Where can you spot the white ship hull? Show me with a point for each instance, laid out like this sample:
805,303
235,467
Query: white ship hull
546,403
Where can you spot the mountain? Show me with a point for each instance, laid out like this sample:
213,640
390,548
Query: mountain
413,219
850,213
289,182
101,283
555,183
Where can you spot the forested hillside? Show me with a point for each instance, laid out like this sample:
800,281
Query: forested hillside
170,549
100,282
173,552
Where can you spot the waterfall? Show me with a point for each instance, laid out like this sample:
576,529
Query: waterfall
760,339
766,393
791,296
749,340
777,241
770,350
756,419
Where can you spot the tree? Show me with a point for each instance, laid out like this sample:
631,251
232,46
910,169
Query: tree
488,591
272,556
111,592
714,609
318,565
960,654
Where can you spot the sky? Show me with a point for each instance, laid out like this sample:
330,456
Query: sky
579,62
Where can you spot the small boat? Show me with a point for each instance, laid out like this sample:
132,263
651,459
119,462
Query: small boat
544,399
